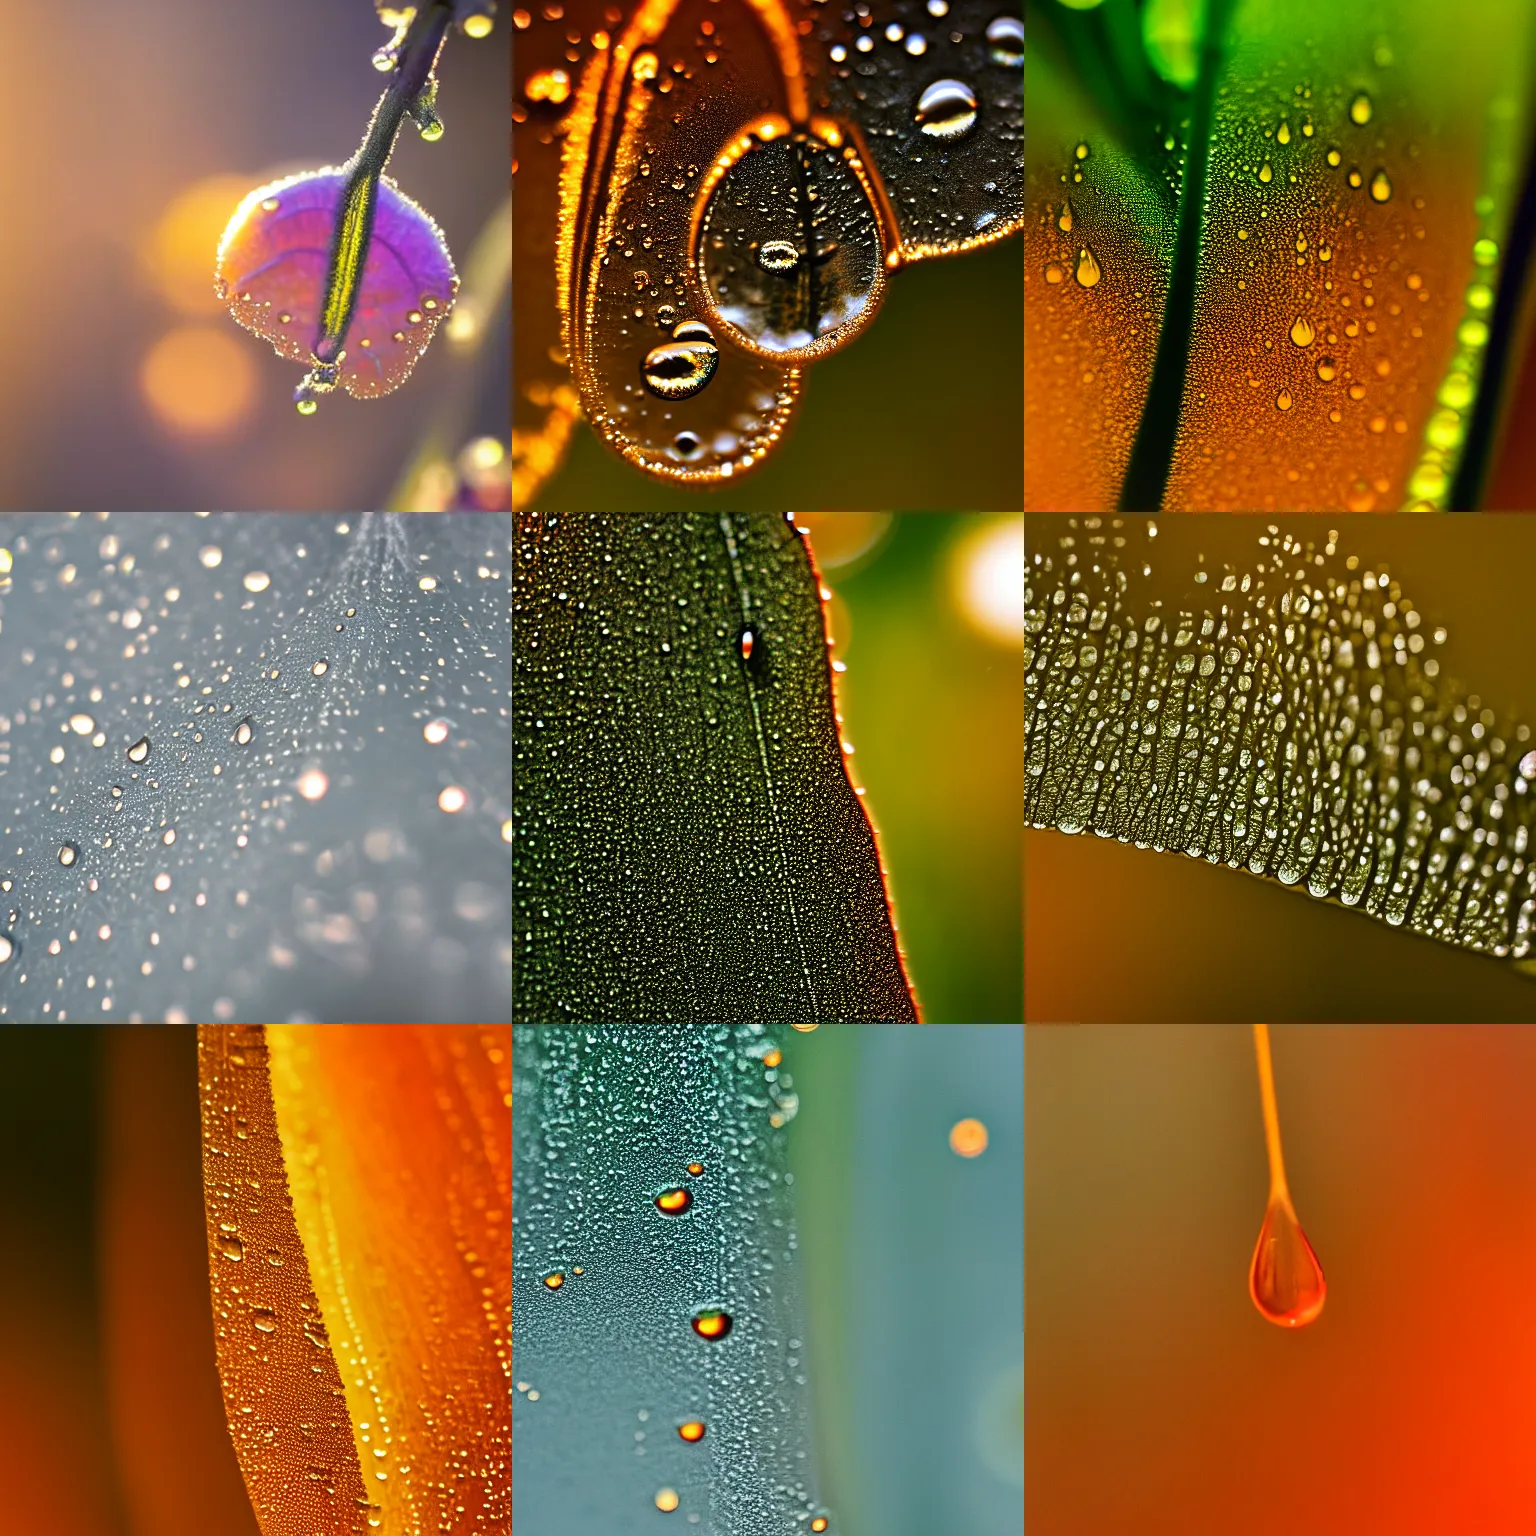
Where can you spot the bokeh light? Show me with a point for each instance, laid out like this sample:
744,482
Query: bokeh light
177,253
968,1138
988,575
198,379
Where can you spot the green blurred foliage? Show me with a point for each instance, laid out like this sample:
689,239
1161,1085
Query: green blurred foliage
936,716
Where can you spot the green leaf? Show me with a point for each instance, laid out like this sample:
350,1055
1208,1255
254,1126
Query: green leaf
1280,707
688,845
1275,261
607,1364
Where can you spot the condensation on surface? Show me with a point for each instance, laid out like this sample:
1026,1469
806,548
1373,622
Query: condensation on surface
1287,716
608,1365
240,768
688,845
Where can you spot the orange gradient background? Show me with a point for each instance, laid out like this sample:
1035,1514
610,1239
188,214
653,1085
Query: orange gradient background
1159,1401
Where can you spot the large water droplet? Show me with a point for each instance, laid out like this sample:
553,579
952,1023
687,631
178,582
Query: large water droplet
947,109
673,1202
230,1246
1360,109
1006,38
1283,400
1302,332
1285,1279
320,668
683,366
711,1323
1088,269
139,750
776,192
8,947
1064,219
692,1431
68,853
264,1320
242,734
1381,186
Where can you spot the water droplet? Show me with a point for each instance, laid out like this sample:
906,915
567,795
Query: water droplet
1005,36
968,1138
81,725
1381,186
1302,332
777,255
1327,370
1528,766
230,1246
1354,178
773,1058
683,366
1456,391
264,1320
68,853
819,1523
666,1500
7,947
243,734
275,1258
256,581
435,731
1485,252
1325,253
554,1280
1283,400
314,1331
695,1169
1360,109
320,668
1081,151
947,109
746,641
1088,269
1054,272
139,750
1472,333
1265,173
688,446
691,1431
673,1202
1283,133
1285,1279
711,1323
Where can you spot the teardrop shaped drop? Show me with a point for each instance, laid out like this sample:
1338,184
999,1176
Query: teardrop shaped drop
1285,1279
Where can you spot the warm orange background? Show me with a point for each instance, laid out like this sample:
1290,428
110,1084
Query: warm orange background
1158,1401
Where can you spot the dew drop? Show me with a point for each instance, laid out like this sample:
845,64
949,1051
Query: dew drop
7,947
256,581
1285,1279
688,446
1005,38
1485,252
81,725
1354,178
1360,109
777,256
264,1320
1064,219
819,1523
242,734
1088,269
692,1431
1334,157
1266,174
695,1169
711,1323
1528,766
746,641
1283,133
1283,400
673,1202
1381,186
320,668
1054,272
554,1280
666,1500
683,366
1081,151
1302,332
139,750
947,109
230,1246
1327,370
275,1258
68,853
1325,253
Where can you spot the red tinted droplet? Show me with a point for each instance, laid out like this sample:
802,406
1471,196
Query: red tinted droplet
673,1202
695,1168
748,639
1285,1279
711,1323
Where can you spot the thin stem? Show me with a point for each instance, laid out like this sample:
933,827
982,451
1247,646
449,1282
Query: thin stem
1278,1189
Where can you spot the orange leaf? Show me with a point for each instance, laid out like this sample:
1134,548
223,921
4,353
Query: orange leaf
357,1181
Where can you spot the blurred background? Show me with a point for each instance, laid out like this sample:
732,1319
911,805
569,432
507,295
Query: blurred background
111,1419
927,621
1161,1402
924,409
1113,932
913,1255
126,383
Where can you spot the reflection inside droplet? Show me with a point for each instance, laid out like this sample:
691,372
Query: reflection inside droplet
946,109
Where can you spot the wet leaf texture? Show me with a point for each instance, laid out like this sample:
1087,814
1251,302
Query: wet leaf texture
225,744
357,1183
688,846
737,179
1286,715
608,1364
1263,264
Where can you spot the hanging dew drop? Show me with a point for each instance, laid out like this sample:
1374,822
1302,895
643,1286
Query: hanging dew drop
139,750
1381,186
1302,332
1088,268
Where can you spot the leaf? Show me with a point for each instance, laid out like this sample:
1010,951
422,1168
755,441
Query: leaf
688,844
712,198
1286,714
281,848
357,1184
1266,267
608,1365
